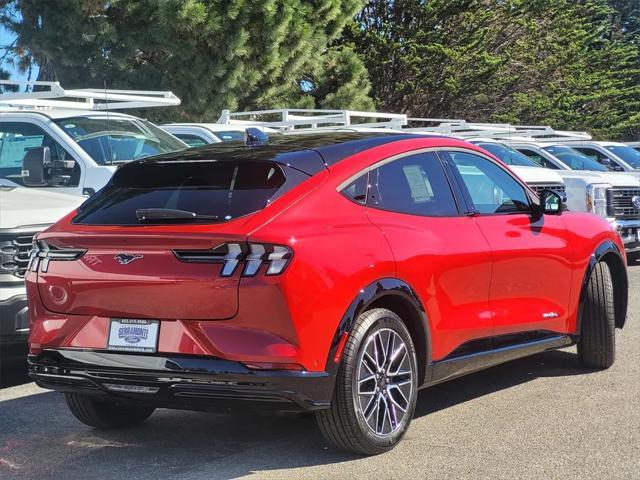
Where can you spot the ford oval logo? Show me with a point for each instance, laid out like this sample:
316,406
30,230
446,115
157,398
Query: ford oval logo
636,202
126,258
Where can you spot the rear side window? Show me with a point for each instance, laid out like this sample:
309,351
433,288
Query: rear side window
191,140
213,191
416,185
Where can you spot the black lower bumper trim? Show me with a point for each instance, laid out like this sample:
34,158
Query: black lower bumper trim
177,381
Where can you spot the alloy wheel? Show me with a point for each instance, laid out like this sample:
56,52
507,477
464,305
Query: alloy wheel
383,382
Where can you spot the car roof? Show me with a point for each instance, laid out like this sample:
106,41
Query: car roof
309,153
62,113
214,127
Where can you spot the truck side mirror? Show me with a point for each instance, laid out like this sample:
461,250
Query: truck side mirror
33,164
552,202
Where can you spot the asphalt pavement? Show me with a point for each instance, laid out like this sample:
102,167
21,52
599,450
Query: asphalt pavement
538,418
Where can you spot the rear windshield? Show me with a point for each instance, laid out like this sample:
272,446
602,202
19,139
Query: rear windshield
212,191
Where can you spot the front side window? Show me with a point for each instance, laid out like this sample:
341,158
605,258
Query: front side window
626,153
601,158
415,185
116,139
16,138
490,187
575,159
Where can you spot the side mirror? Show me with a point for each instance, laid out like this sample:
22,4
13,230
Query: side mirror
33,167
551,203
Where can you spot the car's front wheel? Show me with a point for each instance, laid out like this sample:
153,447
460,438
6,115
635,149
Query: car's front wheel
376,386
597,344
105,415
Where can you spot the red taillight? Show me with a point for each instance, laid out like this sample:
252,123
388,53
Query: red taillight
231,255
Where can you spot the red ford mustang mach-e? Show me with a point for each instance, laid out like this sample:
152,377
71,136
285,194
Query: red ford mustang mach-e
337,273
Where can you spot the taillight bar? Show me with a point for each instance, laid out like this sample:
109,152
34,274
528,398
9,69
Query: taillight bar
232,254
42,253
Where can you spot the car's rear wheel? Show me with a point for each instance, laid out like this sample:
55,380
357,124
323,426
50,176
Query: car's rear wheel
376,386
106,415
597,344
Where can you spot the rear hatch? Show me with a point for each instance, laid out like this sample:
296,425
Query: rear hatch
160,241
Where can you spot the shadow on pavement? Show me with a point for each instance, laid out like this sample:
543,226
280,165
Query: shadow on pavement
13,367
40,439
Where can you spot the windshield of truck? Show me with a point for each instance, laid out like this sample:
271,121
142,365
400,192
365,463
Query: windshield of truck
507,155
112,140
626,153
574,159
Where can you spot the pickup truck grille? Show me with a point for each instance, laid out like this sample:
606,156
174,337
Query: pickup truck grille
556,187
620,201
14,253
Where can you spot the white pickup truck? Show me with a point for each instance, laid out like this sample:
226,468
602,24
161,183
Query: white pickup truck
23,213
592,187
69,141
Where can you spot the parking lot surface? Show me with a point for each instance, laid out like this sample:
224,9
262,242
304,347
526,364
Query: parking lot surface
541,417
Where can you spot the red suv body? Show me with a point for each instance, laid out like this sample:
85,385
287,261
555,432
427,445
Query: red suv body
337,273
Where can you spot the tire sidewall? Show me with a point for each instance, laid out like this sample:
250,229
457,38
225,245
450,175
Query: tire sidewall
373,321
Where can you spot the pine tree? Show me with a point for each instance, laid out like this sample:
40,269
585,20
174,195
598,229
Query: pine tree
214,54
555,62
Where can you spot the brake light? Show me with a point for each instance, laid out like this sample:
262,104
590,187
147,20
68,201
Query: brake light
276,257
42,253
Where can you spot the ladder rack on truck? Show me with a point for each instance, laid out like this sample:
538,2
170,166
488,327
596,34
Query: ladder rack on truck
498,131
52,95
294,119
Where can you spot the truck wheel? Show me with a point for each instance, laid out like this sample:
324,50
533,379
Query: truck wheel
376,386
105,415
597,344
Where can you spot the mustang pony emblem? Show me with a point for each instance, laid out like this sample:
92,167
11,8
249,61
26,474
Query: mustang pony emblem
125,258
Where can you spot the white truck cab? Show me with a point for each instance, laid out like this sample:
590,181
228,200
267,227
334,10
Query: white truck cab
592,187
23,213
70,141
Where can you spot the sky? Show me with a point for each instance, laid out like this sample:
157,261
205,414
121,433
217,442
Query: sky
6,37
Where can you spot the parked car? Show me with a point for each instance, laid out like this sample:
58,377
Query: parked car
71,149
23,213
592,187
336,273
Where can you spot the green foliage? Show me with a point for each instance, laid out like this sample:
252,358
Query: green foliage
560,62
214,54
571,64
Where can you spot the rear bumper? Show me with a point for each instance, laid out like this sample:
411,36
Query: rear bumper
185,382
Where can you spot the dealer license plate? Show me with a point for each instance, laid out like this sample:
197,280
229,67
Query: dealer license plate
133,335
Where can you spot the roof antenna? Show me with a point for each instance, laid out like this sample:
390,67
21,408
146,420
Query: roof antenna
106,101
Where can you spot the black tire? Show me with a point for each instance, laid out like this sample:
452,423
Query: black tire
105,415
344,424
597,344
